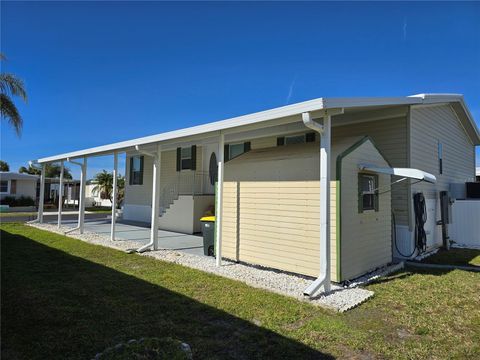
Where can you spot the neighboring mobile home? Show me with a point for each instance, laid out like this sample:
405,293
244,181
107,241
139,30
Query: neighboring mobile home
18,185
272,172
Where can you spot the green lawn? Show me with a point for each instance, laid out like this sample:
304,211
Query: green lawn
465,257
63,298
16,214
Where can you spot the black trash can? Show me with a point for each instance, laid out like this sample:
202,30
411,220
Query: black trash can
208,231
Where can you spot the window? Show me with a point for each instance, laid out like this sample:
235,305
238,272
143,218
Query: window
234,150
187,158
368,192
136,170
4,187
440,157
296,139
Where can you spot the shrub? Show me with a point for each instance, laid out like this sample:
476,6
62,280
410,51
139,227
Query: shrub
21,201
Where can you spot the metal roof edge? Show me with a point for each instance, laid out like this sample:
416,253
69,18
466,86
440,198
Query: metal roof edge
266,115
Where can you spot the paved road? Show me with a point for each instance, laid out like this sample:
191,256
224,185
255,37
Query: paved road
52,217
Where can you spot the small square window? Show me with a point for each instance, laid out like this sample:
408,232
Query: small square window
296,139
235,150
368,193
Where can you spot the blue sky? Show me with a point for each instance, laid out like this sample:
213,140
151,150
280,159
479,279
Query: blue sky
100,72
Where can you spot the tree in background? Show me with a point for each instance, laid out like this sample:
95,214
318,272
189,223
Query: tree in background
51,171
104,185
4,166
10,86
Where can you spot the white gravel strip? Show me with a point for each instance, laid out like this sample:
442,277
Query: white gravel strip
339,299
376,274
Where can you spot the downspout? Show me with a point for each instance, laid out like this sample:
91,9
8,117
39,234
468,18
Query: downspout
60,195
155,198
324,131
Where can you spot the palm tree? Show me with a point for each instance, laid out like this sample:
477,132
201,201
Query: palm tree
51,171
4,166
104,185
10,85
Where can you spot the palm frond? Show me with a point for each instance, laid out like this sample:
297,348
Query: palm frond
2,57
9,83
9,111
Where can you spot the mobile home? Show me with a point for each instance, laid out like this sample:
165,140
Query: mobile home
308,188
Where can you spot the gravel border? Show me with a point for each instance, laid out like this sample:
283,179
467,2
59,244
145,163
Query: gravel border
340,299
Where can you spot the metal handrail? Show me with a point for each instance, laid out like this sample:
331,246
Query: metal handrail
186,183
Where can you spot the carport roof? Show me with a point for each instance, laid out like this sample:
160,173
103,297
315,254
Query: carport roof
319,104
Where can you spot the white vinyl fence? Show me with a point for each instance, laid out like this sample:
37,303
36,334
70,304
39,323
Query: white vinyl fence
465,226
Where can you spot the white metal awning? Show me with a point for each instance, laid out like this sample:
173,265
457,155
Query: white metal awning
402,172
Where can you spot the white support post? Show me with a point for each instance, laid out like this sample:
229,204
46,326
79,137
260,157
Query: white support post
114,195
60,194
219,205
325,201
155,197
81,206
41,199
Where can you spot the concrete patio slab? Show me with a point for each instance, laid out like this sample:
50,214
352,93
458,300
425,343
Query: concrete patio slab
140,233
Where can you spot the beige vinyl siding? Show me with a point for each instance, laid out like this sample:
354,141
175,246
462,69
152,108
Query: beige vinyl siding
429,125
264,142
139,194
27,188
275,224
365,237
142,194
390,136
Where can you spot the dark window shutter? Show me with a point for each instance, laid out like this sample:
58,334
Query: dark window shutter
247,146
226,153
310,137
141,171
13,186
179,159
194,158
281,141
130,172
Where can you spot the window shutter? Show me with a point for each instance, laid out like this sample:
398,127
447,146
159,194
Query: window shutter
194,158
141,170
130,172
179,159
13,187
281,141
360,196
226,152
247,146
310,137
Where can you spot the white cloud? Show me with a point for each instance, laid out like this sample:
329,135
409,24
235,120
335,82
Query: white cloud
290,90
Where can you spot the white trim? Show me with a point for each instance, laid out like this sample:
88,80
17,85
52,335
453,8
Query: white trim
277,114
402,172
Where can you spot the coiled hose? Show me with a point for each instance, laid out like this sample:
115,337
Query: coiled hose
420,209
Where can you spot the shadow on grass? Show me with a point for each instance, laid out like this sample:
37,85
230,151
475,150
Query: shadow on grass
456,257
55,305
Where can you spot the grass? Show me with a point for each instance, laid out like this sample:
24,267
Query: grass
63,298
465,257
16,214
